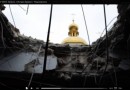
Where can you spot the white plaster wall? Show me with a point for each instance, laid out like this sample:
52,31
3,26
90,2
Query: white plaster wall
17,62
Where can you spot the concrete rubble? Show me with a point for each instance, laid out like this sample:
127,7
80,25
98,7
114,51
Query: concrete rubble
74,63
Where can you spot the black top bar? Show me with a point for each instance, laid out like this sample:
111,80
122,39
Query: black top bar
64,1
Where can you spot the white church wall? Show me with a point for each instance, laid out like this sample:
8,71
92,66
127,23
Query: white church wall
25,62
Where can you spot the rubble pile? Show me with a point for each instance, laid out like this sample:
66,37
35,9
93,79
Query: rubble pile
73,62
12,41
118,43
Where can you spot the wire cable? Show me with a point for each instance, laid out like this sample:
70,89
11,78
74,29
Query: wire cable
12,15
34,67
87,75
27,9
99,42
108,25
85,24
107,53
100,37
47,41
21,7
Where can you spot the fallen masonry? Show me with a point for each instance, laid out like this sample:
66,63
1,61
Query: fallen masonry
81,66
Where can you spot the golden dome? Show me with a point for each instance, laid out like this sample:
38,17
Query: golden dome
73,36
73,25
75,40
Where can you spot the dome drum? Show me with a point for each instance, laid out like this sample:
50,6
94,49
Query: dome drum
73,36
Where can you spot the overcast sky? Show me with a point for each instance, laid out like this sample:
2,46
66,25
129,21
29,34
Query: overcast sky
35,23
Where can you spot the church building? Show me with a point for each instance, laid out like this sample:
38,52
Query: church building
73,38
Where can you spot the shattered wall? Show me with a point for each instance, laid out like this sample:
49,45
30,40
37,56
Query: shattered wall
70,60
118,41
18,51
118,45
28,62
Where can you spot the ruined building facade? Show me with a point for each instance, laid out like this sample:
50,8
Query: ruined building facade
67,66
